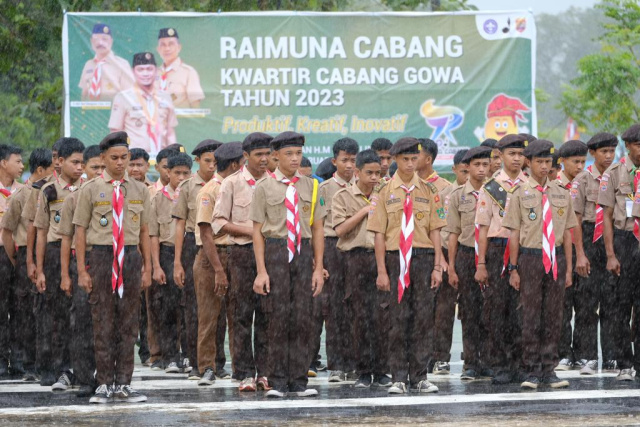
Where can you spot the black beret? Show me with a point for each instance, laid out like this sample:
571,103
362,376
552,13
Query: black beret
206,146
528,136
287,139
477,153
489,142
229,151
326,169
167,32
143,58
602,139
255,141
632,134
539,148
406,145
572,148
512,141
101,29
114,139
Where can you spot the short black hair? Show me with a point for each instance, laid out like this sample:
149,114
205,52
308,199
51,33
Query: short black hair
554,160
6,150
165,153
365,157
305,163
40,157
430,147
223,164
180,159
70,146
90,152
381,144
457,158
138,153
56,145
348,145
393,169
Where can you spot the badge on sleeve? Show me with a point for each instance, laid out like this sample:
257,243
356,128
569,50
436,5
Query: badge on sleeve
440,212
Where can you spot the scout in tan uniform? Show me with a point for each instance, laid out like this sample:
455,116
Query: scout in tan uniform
288,245
114,282
351,208
106,74
501,300
14,238
148,116
81,346
52,312
231,217
496,162
540,215
164,294
139,166
210,269
185,247
461,215
339,317
407,220
618,192
175,77
11,168
382,146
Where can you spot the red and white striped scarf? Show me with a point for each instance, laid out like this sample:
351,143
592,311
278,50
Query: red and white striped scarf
406,242
294,236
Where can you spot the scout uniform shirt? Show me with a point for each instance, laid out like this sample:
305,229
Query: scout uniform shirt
30,207
152,187
326,191
524,212
564,181
145,117
66,227
445,195
444,188
584,193
206,200
95,212
234,203
161,223
49,209
268,207
346,203
616,191
462,214
12,219
185,207
489,212
115,76
428,213
182,82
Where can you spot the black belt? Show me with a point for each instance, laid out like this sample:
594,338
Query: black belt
360,251
465,248
167,248
531,251
110,247
498,241
417,251
283,242
246,245
57,243
623,233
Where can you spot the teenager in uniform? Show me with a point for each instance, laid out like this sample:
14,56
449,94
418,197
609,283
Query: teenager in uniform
381,146
81,347
14,239
540,216
496,162
407,220
138,168
184,211
288,242
52,314
501,300
618,189
462,244
11,168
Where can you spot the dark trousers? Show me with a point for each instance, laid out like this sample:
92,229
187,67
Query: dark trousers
504,316
115,319
81,348
23,333
412,318
165,306
190,303
370,328
542,300
288,307
143,351
53,319
445,316
6,303
338,325
248,316
225,324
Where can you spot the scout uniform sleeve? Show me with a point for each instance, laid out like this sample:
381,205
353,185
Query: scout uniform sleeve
608,185
453,216
118,112
579,194
257,213
194,89
42,213
438,218
29,210
205,205
82,215
154,227
572,219
339,208
378,220
181,208
146,203
512,218
224,204
320,208
11,217
65,228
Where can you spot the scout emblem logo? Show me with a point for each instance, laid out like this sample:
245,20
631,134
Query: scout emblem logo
305,208
135,217
56,217
419,215
104,221
560,211
532,215
171,32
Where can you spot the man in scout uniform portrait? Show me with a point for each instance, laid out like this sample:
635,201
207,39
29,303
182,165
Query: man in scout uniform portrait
210,269
462,244
184,211
14,239
176,78
407,220
288,242
621,232
146,114
382,146
81,347
112,218
105,74
540,215
501,300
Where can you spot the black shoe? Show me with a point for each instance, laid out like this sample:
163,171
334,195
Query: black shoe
469,375
223,374
363,381
531,382
48,379
313,371
86,391
157,366
208,378
503,377
103,394
125,393
381,381
519,377
554,382
17,369
4,368
487,373
30,376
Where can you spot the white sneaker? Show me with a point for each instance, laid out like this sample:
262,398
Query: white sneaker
310,392
337,377
625,375
186,366
441,368
172,368
398,388
564,365
103,394
590,368
62,384
126,393
425,386
275,393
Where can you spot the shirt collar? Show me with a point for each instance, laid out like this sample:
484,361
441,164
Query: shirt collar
468,188
107,177
280,176
502,175
197,179
247,175
177,63
563,179
342,182
396,181
533,183
109,58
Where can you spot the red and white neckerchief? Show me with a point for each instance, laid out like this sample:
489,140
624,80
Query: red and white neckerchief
548,236
338,182
69,187
599,227
293,217
507,252
636,221
512,182
406,242
117,202
96,80
150,109
163,77
271,174
476,233
250,181
433,177
568,186
165,193
6,192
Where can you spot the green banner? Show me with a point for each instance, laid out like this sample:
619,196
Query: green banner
456,78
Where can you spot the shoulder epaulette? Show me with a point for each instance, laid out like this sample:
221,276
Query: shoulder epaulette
380,186
50,192
39,184
432,187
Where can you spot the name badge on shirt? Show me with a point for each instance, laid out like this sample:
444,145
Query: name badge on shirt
629,207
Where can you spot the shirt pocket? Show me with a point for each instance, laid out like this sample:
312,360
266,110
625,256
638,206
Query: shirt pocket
304,206
240,209
102,219
560,212
421,214
166,227
276,210
530,208
467,215
133,217
394,212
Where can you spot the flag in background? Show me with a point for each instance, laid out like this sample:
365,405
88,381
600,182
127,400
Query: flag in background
572,131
